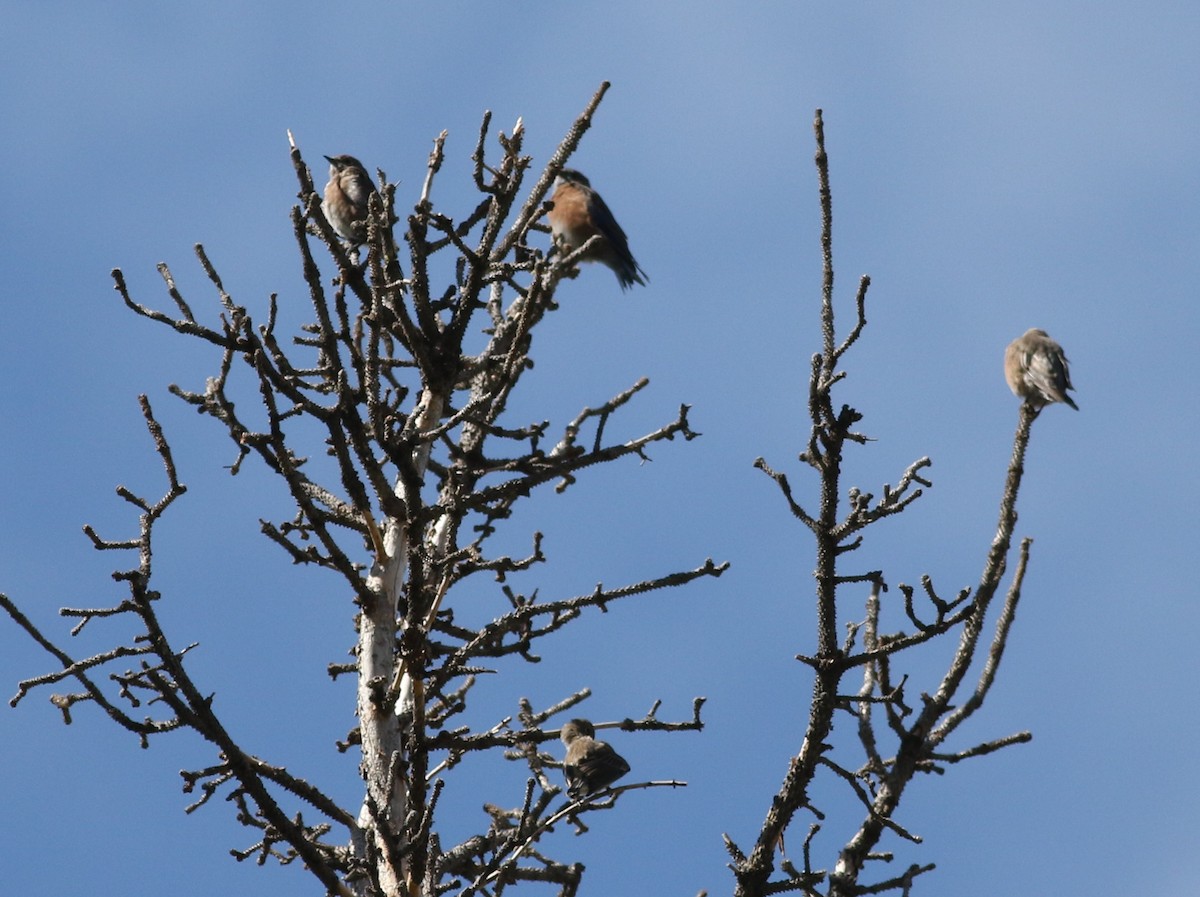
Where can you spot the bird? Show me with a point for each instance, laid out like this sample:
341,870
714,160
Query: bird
579,214
346,197
589,765
1036,369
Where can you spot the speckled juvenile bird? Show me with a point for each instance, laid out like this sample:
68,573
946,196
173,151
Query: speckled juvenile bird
590,765
1036,369
578,214
346,197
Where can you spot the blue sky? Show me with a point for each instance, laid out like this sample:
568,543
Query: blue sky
994,168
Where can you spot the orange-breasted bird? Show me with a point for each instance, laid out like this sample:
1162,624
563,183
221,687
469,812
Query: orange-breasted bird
346,197
1036,369
578,214
590,765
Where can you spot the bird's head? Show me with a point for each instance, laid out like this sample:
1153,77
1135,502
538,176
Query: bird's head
341,163
571,176
576,728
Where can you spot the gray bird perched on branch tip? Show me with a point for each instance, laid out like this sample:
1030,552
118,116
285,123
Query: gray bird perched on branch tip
590,765
346,197
1036,369
579,214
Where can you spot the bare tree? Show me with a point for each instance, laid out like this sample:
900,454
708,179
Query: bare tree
415,469
898,735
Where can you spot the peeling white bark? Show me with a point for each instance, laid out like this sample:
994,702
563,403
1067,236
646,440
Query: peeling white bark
381,730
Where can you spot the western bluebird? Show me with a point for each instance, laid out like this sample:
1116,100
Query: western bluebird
578,214
1036,369
590,765
346,197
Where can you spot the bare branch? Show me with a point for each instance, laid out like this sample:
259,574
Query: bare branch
912,736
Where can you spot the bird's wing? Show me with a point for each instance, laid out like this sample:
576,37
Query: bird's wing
602,218
602,765
628,270
1047,370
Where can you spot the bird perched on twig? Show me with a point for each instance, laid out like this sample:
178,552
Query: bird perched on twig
1036,369
590,765
579,214
346,197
